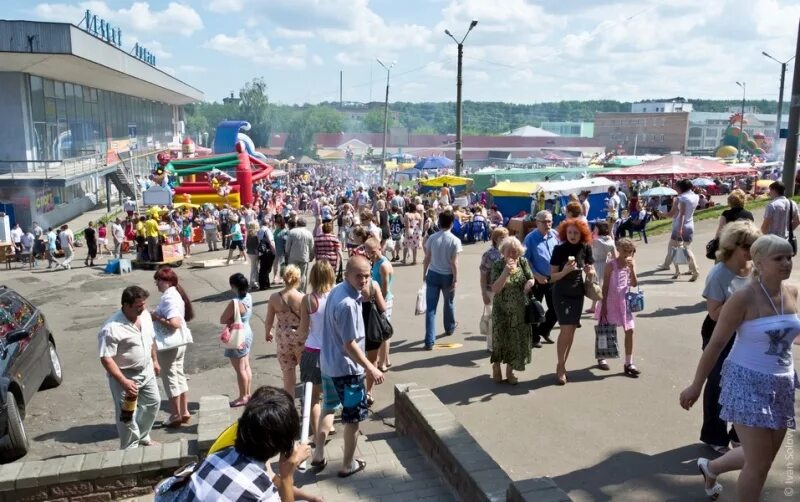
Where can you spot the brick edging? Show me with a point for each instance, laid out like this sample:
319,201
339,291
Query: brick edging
466,466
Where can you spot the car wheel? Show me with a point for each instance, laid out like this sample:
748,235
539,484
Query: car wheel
53,379
15,444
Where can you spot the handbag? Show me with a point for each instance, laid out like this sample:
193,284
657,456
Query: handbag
378,329
486,326
591,289
635,301
792,238
534,312
421,305
233,336
605,340
339,273
711,248
679,255
168,338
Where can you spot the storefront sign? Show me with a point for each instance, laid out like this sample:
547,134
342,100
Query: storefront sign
45,202
102,29
144,55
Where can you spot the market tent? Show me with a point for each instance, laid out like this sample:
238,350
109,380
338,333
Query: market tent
305,160
513,197
597,188
675,166
485,177
435,162
439,181
514,189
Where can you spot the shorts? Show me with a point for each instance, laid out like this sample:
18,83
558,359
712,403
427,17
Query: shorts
236,244
309,367
369,346
352,393
240,353
330,399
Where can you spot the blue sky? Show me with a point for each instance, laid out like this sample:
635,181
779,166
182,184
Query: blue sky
521,51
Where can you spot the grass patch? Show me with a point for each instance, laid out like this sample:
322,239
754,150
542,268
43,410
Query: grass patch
661,226
101,221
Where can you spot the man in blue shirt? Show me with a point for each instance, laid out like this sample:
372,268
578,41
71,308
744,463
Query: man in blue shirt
539,246
342,356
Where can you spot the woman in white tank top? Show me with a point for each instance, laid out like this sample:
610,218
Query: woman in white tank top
312,313
758,377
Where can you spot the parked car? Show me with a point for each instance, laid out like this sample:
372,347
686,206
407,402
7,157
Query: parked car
28,362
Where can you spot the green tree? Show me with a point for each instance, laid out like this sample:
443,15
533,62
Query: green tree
316,119
373,120
255,108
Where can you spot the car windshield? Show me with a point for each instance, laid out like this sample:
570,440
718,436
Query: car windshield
15,313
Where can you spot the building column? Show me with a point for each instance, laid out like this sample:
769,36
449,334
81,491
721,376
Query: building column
108,193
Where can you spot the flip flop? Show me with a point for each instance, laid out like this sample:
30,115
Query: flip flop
361,466
319,466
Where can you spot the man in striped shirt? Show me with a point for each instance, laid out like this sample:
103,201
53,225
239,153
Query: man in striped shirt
327,246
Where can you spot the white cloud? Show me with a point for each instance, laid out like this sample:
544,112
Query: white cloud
257,48
225,6
316,60
287,33
139,17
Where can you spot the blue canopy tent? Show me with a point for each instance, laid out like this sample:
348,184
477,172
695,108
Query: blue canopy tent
405,175
434,162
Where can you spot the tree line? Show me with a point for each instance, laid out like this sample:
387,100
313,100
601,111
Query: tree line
302,122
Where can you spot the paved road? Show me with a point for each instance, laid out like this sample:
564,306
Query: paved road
603,436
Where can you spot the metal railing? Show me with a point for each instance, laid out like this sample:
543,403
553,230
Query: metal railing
63,169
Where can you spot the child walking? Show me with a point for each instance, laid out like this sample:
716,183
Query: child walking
619,277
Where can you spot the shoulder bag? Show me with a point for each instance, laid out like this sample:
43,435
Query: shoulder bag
378,329
169,338
635,300
792,238
233,336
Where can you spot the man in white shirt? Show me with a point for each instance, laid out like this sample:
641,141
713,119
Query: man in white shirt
16,237
67,239
127,352
299,250
777,213
612,205
117,237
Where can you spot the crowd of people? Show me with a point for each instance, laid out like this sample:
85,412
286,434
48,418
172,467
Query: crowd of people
335,298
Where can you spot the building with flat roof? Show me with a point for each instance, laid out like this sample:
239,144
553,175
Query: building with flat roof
570,129
642,133
707,129
80,114
671,106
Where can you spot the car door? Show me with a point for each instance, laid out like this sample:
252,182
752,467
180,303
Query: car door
16,317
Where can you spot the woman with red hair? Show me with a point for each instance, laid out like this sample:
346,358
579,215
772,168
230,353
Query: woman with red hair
174,310
570,259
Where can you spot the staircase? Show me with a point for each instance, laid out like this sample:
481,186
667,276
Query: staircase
123,181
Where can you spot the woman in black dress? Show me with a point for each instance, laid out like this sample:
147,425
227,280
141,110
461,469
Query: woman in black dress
570,260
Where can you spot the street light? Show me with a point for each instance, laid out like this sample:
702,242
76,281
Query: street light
385,116
743,85
780,96
459,159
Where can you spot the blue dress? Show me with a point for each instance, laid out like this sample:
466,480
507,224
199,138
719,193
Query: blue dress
247,301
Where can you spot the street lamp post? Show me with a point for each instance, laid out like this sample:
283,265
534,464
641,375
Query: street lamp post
780,96
385,118
459,156
743,85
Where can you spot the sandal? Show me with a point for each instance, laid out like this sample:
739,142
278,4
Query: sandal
714,491
360,466
675,276
603,364
239,402
186,418
384,369
370,400
497,373
173,422
632,371
319,466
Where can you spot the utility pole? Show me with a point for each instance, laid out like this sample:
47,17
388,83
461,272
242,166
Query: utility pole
459,153
385,119
341,102
790,156
780,96
743,85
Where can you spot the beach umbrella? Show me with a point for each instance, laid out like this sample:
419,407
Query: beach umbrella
435,162
703,182
659,192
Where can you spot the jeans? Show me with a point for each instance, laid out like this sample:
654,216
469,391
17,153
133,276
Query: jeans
69,254
715,431
137,431
303,266
438,283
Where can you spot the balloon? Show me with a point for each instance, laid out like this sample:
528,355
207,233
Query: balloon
726,151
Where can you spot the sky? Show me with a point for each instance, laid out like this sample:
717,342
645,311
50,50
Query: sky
521,51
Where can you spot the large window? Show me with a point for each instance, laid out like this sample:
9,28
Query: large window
71,120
